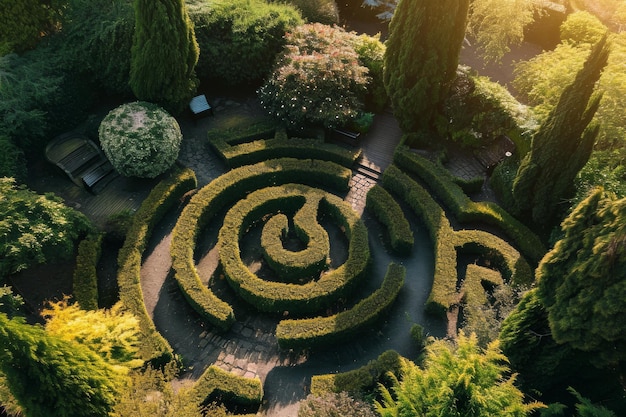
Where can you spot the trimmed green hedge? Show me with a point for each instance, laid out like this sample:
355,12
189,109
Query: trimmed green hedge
259,129
306,333
162,198
473,290
382,205
219,194
358,381
271,296
446,242
237,389
280,146
85,282
441,184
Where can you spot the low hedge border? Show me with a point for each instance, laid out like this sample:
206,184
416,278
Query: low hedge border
440,182
235,388
217,195
306,333
162,198
259,129
85,278
473,290
383,206
358,381
446,241
277,297
245,153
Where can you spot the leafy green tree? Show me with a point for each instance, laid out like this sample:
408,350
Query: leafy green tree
421,58
318,81
164,54
456,381
113,334
35,228
582,27
49,376
562,144
582,281
24,23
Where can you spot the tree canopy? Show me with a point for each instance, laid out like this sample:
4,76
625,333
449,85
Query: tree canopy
421,58
164,54
456,381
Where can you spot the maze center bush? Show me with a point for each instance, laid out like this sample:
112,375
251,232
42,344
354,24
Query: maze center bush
140,139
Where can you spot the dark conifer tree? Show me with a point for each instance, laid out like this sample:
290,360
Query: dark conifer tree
53,377
164,54
562,145
425,39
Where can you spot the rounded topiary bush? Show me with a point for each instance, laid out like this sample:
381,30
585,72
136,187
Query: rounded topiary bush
140,139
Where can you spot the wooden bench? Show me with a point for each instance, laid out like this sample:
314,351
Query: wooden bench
347,136
78,160
98,176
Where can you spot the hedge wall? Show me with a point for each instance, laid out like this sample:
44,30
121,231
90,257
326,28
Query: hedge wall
383,206
440,183
282,147
85,282
224,191
306,333
447,241
233,388
358,381
271,296
162,198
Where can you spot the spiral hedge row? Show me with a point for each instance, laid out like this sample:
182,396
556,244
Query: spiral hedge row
440,183
447,241
382,205
222,193
162,198
305,333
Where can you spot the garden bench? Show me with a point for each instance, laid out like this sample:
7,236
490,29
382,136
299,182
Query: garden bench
77,160
347,136
98,176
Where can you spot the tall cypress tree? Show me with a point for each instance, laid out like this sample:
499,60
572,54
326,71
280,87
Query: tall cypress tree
164,54
562,145
52,377
422,56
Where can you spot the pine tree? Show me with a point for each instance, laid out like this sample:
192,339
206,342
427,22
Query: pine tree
421,59
562,145
52,377
164,54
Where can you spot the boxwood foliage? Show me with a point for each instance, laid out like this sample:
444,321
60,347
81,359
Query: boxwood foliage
387,210
85,282
162,198
232,388
358,381
235,151
440,183
239,39
272,296
446,242
223,192
306,333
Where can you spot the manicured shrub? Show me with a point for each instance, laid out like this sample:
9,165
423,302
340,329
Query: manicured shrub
85,283
306,333
219,194
371,52
318,80
234,388
465,210
358,381
239,39
162,198
238,152
382,205
140,139
312,296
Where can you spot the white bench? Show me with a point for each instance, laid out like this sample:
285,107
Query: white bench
200,107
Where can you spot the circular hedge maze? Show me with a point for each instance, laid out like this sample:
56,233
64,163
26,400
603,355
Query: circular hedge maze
281,196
